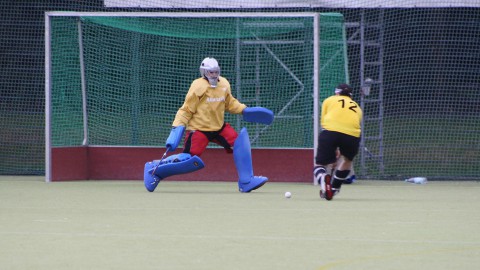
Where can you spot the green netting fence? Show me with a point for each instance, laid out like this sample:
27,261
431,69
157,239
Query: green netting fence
138,70
424,61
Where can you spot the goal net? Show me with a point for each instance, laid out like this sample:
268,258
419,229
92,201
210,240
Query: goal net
114,81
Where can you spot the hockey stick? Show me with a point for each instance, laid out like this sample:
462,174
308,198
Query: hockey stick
164,154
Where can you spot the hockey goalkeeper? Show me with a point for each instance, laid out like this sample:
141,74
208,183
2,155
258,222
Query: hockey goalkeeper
202,116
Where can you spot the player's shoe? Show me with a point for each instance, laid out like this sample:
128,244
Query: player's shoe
254,183
326,191
350,180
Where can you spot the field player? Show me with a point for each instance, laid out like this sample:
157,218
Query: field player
341,129
202,115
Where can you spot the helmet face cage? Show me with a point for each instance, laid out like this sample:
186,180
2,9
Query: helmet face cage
210,69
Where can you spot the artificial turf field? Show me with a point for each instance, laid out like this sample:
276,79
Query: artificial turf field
210,225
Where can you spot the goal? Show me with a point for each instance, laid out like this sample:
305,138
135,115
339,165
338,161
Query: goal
114,81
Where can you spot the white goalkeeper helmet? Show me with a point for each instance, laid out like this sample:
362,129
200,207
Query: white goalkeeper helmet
210,70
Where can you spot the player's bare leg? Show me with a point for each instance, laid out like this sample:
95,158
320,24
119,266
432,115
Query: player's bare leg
351,176
341,175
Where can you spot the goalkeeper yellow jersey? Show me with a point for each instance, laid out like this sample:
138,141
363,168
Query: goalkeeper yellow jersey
341,114
205,106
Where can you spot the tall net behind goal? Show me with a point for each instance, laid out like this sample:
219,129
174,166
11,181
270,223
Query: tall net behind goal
118,79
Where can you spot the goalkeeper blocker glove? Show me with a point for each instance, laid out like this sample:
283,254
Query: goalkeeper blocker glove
258,115
174,138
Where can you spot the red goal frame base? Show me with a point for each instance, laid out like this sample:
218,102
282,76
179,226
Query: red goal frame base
126,163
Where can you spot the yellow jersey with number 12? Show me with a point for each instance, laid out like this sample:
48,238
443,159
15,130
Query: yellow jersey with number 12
341,114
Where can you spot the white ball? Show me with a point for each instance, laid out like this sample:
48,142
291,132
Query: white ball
288,194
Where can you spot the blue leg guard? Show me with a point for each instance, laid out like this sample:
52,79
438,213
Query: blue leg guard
157,170
242,155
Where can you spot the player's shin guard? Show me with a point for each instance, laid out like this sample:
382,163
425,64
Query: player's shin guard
157,170
242,155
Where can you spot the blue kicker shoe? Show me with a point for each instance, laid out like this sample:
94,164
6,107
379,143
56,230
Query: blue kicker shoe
350,180
254,183
149,179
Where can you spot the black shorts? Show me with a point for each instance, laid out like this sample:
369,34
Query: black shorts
329,141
